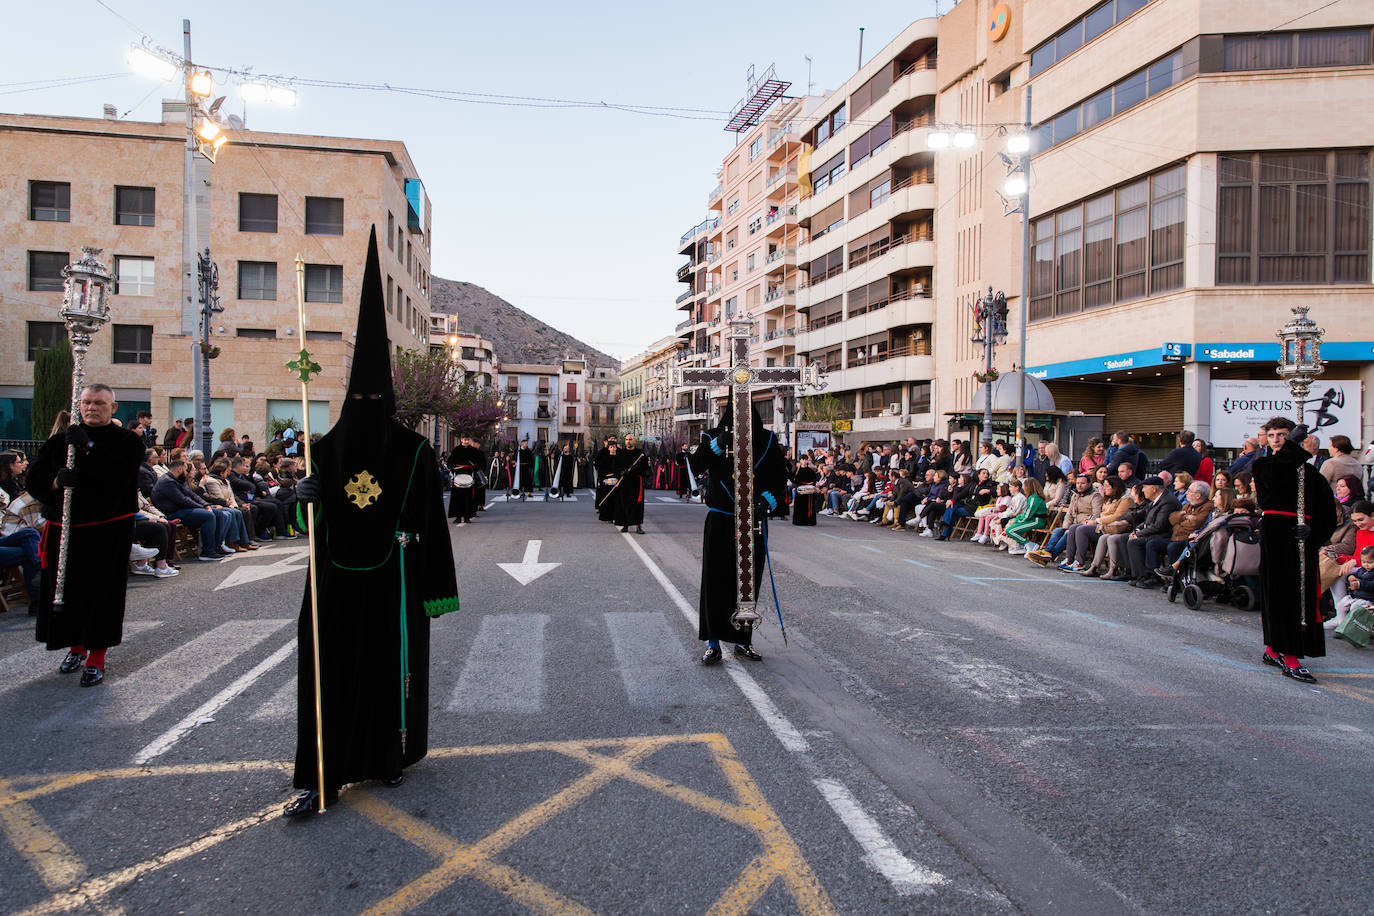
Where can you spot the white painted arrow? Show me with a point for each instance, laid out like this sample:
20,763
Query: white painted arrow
291,561
529,569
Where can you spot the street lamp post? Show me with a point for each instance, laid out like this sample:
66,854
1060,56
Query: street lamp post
207,278
990,312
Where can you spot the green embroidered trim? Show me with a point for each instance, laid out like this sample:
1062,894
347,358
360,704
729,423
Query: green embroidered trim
437,606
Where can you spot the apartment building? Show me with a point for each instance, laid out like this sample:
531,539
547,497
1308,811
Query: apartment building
742,260
529,394
470,351
632,396
867,251
117,185
603,401
1199,168
659,404
572,382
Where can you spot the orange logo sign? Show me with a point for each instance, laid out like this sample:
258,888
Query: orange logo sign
998,21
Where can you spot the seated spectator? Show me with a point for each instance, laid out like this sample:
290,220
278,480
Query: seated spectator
228,445
21,524
986,515
936,501
1184,457
902,496
960,459
1181,482
1084,506
153,529
173,497
1087,544
1189,518
1118,562
1125,471
1016,534
1341,461
861,498
267,512
989,460
966,499
1348,489
1245,493
1250,450
147,475
13,464
1124,451
1055,458
1155,526
1222,480
882,506
1362,517
1094,456
1100,475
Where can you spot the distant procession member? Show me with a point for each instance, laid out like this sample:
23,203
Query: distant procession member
808,499
384,566
565,473
605,464
465,461
104,499
631,467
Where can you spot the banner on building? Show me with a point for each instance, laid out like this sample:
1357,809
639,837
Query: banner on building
1239,407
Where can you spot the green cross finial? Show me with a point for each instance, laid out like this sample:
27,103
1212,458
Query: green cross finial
304,367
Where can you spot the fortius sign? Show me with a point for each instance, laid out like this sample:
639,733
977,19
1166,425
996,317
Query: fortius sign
1239,407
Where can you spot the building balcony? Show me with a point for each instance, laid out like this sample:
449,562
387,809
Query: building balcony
714,196
684,273
896,313
780,295
888,369
780,139
683,325
713,292
781,177
778,340
780,259
698,230
685,296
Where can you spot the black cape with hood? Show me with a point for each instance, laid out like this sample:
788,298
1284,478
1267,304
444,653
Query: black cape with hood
378,481
807,505
718,566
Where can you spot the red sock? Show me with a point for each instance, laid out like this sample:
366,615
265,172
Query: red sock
96,659
77,650
1291,661
1271,653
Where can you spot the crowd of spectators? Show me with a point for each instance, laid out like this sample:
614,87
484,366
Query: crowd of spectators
238,501
1111,514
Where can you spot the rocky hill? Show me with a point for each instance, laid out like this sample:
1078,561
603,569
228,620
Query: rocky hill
516,336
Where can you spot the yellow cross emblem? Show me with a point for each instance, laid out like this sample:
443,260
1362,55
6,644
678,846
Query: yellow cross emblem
742,376
362,489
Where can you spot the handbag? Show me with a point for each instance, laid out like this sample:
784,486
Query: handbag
1358,621
1328,570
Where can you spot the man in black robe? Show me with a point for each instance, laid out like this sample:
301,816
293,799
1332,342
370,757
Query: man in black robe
605,464
524,461
479,491
632,465
385,566
1292,620
806,499
465,461
719,595
565,473
104,499
684,480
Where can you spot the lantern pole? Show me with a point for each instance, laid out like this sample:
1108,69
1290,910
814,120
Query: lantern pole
1299,363
84,310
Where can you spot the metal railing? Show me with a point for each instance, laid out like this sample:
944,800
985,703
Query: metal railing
778,292
778,254
780,175
703,226
683,325
715,193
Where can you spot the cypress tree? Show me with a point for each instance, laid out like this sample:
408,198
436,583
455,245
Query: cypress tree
52,386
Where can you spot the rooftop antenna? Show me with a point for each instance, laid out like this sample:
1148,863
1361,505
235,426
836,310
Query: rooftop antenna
810,84
861,47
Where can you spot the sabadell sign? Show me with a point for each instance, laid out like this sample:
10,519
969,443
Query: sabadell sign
1239,407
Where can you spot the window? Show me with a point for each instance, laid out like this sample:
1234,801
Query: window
323,335
43,335
323,283
870,92
257,333
1098,21
832,169
135,206
50,201
45,270
1081,31
1132,223
1257,52
733,206
1068,253
257,212
756,148
871,143
920,397
868,298
1282,50
133,276
826,266
390,228
1127,93
830,125
751,262
133,343
1294,218
1165,73
1333,49
1166,230
828,218
258,280
324,216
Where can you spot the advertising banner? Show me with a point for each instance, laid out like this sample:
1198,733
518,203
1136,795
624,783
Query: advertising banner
1239,407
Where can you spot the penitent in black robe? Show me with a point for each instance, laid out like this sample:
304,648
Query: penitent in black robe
1286,629
384,566
605,471
565,474
103,505
631,467
718,595
805,505
683,481
525,462
465,462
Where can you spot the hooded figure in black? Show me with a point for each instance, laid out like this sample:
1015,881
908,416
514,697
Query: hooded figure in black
465,461
719,596
808,501
384,567
524,461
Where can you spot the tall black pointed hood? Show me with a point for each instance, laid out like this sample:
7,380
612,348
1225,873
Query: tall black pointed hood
370,391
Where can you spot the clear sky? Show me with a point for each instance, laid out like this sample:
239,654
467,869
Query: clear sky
570,213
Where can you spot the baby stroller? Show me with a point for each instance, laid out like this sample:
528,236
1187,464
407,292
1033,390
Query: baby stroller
1214,565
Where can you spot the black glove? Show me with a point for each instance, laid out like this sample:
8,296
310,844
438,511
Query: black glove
77,436
1298,434
307,489
65,477
1301,531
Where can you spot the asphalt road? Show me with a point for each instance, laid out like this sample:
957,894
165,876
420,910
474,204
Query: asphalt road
947,730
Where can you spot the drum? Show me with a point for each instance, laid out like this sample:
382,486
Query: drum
806,489
463,480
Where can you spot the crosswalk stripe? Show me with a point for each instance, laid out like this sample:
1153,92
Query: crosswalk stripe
657,670
37,661
136,696
281,705
504,671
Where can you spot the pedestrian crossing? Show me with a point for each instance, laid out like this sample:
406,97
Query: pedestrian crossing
506,670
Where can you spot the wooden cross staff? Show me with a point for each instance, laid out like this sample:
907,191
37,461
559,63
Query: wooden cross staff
742,379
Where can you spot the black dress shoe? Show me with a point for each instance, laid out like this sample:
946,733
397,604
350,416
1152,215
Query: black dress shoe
306,803
71,663
1298,674
743,651
1150,581
1270,660
625,529
711,656
92,676
394,781
639,529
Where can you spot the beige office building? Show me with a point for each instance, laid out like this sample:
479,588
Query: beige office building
117,185
1199,168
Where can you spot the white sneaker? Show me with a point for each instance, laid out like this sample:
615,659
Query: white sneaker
139,552
167,573
1016,551
460,524
851,516
927,533
1332,623
143,569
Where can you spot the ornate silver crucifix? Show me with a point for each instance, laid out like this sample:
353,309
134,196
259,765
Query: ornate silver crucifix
742,379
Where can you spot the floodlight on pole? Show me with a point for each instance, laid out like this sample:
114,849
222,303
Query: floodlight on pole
1018,144
149,64
965,139
253,92
282,95
938,139
202,84
1015,185
208,130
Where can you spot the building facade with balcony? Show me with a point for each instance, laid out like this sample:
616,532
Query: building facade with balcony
632,396
529,394
603,403
867,250
572,383
1198,168
742,261
117,185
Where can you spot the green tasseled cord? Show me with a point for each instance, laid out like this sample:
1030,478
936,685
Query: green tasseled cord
405,642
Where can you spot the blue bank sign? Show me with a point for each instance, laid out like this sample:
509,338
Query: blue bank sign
1358,351
1117,362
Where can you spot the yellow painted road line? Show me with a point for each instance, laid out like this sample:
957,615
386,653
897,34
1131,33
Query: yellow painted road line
87,893
53,860
739,898
59,781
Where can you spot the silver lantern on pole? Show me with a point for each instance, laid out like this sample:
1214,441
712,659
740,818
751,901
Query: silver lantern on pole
85,309
1300,361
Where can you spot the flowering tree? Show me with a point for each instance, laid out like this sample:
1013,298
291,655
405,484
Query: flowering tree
474,411
427,383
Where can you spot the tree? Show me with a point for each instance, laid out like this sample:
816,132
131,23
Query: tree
824,408
423,380
474,411
52,386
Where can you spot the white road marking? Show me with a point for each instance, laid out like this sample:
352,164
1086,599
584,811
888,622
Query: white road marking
137,696
529,569
880,853
38,661
282,703
655,669
286,561
167,739
504,671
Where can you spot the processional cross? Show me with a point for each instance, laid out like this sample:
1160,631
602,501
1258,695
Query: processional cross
742,379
